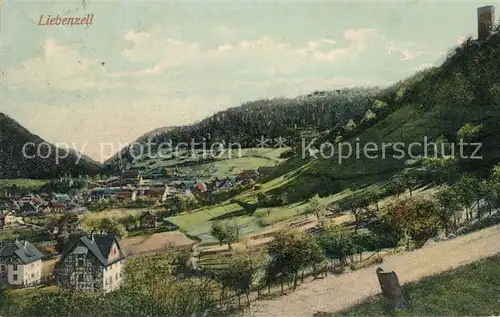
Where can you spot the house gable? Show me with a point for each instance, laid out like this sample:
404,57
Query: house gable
114,253
79,249
12,259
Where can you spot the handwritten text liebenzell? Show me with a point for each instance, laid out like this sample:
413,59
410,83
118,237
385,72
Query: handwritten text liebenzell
59,20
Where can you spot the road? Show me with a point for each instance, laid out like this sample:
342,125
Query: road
336,293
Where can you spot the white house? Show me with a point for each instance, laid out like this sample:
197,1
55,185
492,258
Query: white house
91,263
20,264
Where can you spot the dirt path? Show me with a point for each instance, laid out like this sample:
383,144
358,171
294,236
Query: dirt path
335,293
156,241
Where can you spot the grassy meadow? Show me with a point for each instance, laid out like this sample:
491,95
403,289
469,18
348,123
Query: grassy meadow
23,183
228,163
471,290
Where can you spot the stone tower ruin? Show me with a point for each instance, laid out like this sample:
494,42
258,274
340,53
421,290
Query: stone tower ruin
485,21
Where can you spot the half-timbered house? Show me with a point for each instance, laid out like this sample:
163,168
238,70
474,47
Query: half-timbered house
91,263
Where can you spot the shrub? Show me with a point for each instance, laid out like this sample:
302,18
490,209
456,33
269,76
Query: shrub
287,154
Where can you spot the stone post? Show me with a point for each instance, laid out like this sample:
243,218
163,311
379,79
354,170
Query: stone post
391,289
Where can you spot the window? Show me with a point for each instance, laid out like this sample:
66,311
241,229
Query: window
2,268
32,275
114,251
79,261
116,278
14,277
80,277
14,267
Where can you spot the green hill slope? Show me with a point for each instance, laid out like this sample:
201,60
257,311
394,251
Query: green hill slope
435,104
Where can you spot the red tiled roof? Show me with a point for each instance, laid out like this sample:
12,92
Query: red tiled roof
201,187
57,204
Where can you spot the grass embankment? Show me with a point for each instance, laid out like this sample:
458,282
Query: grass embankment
23,183
471,290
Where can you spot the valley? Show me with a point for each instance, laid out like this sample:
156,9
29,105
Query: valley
285,206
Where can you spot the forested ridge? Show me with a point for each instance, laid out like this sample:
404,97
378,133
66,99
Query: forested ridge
14,164
289,118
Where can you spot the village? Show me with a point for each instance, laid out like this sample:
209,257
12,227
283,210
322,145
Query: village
276,219
52,237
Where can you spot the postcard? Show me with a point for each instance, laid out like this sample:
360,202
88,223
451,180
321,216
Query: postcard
249,158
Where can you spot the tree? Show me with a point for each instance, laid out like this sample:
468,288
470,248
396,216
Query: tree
357,205
142,202
149,290
447,206
442,170
184,263
350,125
240,272
378,104
61,303
395,188
262,199
316,207
415,218
468,132
182,203
218,232
337,244
409,180
374,196
5,300
281,199
465,189
292,251
232,234
485,192
494,181
129,221
224,233
400,94
110,226
369,115
386,232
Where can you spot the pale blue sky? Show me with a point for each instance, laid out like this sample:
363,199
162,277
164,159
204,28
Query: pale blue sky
176,63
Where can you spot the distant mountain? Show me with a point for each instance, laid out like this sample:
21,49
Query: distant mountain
289,118
14,164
